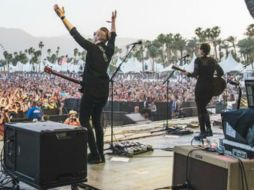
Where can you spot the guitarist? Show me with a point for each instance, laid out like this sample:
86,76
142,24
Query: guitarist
95,81
204,68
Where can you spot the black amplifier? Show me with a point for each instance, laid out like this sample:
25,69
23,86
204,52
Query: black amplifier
45,154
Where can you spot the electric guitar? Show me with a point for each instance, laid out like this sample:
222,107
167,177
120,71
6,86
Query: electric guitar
219,84
50,71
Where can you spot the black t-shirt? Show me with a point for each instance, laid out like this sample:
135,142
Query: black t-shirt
204,69
95,78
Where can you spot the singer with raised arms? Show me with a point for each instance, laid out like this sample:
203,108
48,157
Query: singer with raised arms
95,83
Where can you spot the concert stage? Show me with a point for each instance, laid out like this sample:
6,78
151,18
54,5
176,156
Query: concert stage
146,171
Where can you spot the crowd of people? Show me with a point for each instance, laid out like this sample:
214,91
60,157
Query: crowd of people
20,92
180,88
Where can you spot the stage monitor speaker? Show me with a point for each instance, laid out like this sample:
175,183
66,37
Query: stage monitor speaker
136,118
45,154
210,171
250,92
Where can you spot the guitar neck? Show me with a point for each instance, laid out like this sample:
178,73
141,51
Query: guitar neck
66,77
178,69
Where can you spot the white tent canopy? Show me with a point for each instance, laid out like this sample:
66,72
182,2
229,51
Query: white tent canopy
166,69
230,64
190,67
64,67
133,65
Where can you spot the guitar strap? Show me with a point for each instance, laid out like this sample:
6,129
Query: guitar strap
103,53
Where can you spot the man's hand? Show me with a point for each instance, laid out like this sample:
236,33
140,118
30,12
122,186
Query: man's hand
186,73
113,17
113,21
59,11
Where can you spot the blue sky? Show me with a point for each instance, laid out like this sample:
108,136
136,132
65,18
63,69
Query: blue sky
136,18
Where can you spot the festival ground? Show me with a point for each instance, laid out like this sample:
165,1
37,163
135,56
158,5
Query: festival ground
146,171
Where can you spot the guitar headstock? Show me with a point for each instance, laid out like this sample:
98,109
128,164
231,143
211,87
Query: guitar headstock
174,67
48,70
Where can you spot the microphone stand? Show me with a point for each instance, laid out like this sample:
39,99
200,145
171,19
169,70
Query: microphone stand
238,103
112,97
239,97
167,110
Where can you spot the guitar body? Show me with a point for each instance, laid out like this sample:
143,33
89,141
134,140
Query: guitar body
219,84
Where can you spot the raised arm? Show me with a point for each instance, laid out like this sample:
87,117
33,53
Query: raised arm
61,14
87,45
111,41
113,21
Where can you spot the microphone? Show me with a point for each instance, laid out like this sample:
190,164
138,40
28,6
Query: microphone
135,43
185,56
235,83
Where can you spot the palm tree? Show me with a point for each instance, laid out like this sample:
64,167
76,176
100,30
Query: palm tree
35,58
179,44
246,48
214,35
23,57
232,40
138,53
192,46
250,30
224,46
201,34
161,57
169,41
41,45
160,42
152,52
8,58
83,56
75,53
49,52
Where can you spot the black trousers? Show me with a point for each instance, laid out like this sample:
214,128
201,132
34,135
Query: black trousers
202,97
91,107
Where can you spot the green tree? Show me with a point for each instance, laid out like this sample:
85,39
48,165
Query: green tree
250,30
179,45
201,34
41,45
246,49
8,58
232,40
75,54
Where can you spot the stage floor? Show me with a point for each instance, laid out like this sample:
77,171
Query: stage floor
146,171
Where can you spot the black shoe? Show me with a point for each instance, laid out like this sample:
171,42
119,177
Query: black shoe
200,137
102,158
209,133
74,187
93,159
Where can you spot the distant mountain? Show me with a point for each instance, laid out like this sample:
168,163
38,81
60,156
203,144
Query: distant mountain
16,40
